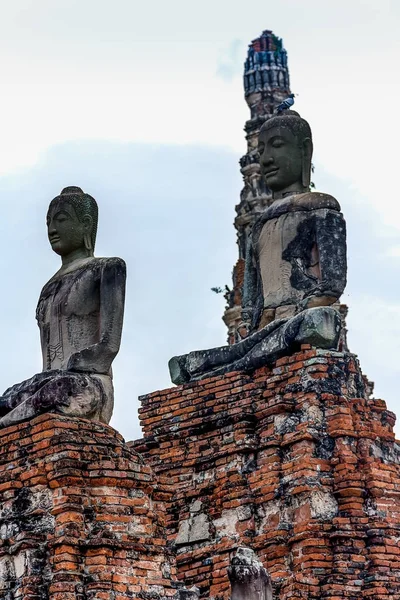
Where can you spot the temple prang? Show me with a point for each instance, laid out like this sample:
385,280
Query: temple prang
266,84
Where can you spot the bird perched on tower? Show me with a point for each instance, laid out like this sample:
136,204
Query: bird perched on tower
287,103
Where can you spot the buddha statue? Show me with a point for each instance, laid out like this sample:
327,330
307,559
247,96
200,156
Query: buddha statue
295,264
80,314
297,254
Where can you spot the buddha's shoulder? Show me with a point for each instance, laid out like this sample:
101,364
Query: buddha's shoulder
301,202
113,262
315,200
86,268
96,265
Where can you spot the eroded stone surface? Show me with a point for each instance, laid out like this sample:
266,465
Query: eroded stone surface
249,578
194,529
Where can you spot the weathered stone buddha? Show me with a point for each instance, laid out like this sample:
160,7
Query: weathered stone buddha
80,314
297,254
296,262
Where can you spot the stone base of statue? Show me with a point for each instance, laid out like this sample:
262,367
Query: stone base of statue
320,327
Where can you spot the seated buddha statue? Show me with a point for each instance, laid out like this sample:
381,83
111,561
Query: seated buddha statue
80,314
297,253
295,264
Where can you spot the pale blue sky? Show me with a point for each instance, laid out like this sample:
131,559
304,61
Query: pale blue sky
142,106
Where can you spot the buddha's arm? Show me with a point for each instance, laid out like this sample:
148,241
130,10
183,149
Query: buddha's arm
98,357
328,257
43,345
251,287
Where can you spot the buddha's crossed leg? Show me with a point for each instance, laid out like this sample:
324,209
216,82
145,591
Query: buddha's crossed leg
74,394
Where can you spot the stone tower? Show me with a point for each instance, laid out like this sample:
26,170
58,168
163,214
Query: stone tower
266,84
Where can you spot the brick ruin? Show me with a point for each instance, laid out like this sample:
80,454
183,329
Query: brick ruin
282,482
294,462
80,515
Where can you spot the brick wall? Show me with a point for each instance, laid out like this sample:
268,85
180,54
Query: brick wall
295,462
81,517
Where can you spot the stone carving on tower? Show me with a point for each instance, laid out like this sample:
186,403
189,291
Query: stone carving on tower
266,84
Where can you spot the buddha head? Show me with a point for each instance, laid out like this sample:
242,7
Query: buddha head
285,148
72,223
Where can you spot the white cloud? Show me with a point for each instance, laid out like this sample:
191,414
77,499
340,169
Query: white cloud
394,251
230,62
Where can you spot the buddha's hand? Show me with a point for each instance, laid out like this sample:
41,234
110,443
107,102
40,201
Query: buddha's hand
78,362
322,300
94,359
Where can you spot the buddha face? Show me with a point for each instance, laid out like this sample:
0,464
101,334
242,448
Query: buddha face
281,159
65,231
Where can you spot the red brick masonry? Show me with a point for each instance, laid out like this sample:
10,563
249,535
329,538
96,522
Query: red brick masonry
81,516
296,463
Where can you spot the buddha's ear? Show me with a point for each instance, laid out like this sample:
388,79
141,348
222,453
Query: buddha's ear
306,166
87,223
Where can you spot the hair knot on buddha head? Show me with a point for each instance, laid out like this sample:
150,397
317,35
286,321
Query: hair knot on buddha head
72,222
285,147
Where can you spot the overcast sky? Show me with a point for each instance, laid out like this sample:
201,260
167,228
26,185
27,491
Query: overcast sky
141,104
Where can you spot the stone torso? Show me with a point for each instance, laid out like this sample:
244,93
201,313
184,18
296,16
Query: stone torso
287,246
68,312
276,272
